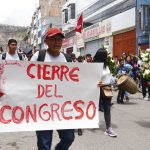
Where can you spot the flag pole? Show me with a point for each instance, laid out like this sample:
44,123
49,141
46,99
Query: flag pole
79,29
84,48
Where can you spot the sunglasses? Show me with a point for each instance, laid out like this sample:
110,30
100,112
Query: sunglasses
13,44
55,39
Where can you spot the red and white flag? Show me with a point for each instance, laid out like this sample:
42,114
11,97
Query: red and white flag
79,26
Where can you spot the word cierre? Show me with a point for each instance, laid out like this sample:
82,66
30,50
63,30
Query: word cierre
51,72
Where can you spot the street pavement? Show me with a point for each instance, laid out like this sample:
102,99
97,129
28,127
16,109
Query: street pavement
130,120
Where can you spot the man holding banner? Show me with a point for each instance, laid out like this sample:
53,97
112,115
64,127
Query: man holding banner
49,95
53,39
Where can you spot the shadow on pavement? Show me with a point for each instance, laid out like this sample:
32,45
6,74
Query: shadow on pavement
130,103
102,127
135,98
143,123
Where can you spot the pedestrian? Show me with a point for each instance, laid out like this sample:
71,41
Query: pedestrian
68,57
116,60
12,53
101,56
1,51
145,89
129,71
129,65
80,59
124,55
88,58
135,68
53,40
73,57
121,70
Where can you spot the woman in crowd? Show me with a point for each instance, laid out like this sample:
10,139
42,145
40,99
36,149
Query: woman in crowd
105,102
120,71
145,89
80,59
135,68
129,65
129,71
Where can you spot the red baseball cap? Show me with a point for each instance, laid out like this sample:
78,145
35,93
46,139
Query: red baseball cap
52,32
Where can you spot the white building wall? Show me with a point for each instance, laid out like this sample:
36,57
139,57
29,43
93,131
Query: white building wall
123,20
83,5
80,4
119,22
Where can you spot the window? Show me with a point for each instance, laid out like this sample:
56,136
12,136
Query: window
71,11
66,15
63,17
39,33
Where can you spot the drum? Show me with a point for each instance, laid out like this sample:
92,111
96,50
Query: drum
128,84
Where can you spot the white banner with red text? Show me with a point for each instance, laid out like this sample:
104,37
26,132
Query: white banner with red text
45,96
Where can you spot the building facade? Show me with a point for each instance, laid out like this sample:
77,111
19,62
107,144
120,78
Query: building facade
143,24
47,14
110,22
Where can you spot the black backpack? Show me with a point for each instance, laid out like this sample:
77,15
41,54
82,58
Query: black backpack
42,54
4,56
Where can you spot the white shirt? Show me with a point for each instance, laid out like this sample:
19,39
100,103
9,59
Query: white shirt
49,58
12,57
106,76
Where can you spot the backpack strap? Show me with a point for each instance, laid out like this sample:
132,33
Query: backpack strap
3,56
68,57
41,56
20,56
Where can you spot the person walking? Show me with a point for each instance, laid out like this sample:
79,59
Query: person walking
121,70
101,56
53,39
12,53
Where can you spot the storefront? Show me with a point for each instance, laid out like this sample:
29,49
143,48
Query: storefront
92,46
96,36
68,44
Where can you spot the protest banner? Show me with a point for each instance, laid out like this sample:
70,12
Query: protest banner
44,96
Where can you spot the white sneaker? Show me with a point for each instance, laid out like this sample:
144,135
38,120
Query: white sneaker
145,98
110,132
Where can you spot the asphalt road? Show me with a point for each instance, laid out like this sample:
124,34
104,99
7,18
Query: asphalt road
131,121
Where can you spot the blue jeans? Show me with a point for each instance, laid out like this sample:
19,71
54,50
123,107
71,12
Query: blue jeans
44,139
126,94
